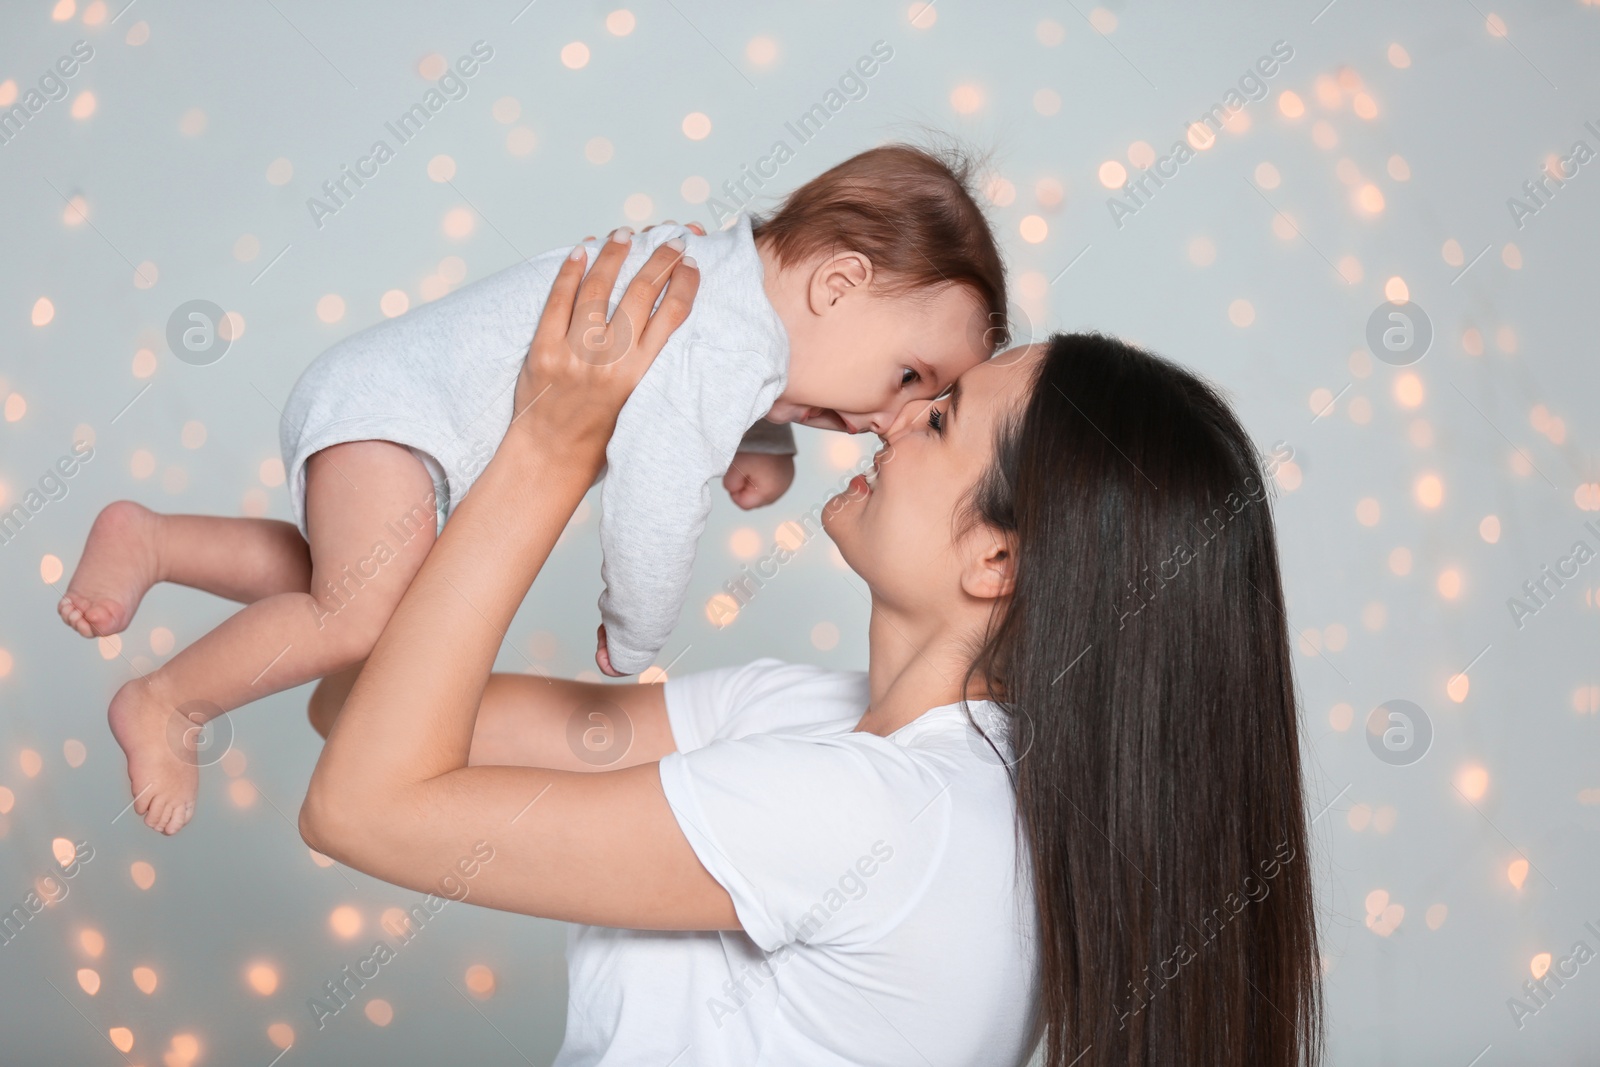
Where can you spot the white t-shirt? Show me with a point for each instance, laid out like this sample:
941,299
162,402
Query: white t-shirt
886,920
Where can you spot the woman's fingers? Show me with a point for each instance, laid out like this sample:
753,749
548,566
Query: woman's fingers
589,334
640,297
602,277
576,308
674,309
694,227
587,392
557,315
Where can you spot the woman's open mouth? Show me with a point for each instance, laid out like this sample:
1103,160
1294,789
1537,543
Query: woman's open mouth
864,483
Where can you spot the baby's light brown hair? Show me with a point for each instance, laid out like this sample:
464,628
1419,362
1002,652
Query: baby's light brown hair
909,210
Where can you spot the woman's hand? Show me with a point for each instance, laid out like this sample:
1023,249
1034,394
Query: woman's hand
581,366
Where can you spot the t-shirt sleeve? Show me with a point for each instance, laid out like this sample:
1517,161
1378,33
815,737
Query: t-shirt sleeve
823,840
765,696
699,704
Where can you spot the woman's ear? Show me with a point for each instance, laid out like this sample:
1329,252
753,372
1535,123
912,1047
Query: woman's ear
990,570
837,276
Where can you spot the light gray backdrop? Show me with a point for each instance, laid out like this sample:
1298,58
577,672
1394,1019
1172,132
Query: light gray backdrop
176,163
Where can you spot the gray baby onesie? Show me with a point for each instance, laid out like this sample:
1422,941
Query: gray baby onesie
440,378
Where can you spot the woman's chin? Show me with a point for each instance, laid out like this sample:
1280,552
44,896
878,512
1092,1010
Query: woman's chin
851,560
840,517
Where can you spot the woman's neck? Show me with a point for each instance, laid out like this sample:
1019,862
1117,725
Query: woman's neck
914,663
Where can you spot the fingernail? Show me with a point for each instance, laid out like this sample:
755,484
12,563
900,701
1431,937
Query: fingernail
676,244
577,253
688,261
622,234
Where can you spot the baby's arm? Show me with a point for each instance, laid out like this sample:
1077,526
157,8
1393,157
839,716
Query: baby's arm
674,438
763,468
756,479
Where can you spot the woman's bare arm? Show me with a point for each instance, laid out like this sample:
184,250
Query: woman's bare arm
392,794
529,720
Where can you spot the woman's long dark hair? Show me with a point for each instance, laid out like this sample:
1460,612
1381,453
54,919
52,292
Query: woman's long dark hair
1144,659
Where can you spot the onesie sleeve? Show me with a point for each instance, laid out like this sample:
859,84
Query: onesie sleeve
674,440
770,438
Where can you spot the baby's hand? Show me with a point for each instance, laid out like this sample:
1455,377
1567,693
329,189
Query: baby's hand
602,658
758,478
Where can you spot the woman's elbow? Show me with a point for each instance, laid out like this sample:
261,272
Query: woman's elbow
329,823
316,824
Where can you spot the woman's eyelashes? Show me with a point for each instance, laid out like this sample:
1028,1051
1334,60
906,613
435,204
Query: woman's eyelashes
936,414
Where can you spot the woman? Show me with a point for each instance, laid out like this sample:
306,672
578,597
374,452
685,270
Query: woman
1064,799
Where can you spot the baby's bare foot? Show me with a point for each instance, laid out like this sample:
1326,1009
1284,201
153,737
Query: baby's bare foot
121,561
159,741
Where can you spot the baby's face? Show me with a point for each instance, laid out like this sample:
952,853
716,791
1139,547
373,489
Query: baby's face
855,371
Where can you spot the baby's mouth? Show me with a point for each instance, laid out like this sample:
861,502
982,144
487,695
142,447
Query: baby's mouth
825,419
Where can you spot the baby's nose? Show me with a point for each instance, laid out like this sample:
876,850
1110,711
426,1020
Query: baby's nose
891,426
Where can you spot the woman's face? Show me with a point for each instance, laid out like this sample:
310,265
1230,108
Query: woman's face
898,531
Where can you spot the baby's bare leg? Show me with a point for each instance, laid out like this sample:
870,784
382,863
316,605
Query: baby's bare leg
370,512
131,548
244,560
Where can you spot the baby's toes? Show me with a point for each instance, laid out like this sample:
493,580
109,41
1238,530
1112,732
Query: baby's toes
100,617
71,614
155,816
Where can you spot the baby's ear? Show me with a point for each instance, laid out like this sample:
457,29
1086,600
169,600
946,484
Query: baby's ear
837,276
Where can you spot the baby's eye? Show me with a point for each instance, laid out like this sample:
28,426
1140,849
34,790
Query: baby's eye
909,377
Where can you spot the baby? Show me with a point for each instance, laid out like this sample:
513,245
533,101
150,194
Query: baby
873,285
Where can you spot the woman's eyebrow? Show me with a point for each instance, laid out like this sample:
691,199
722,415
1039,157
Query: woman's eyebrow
954,394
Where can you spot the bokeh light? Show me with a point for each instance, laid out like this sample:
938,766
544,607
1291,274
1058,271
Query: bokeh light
345,921
262,978
697,126
480,981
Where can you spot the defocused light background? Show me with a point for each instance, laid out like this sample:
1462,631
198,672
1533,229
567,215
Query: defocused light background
176,163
